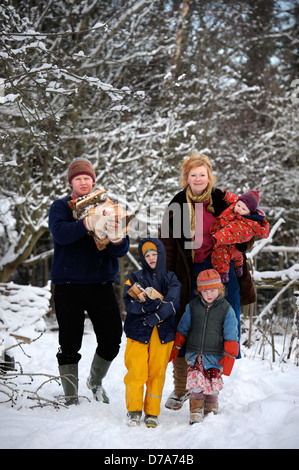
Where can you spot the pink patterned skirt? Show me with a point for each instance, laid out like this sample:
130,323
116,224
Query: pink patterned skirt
209,380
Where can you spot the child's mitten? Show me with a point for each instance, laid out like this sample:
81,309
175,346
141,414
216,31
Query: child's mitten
150,305
178,343
151,319
231,349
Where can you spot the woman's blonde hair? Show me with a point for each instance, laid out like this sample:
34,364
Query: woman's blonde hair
196,159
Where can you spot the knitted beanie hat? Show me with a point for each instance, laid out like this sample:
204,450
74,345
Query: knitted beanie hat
147,246
80,166
209,279
251,200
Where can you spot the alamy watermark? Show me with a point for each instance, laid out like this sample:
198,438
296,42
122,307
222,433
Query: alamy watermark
174,221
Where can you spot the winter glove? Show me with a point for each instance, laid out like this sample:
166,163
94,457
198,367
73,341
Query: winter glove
114,230
231,349
150,305
178,343
97,221
101,225
90,221
151,320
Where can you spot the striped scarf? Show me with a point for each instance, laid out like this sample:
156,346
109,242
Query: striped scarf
205,196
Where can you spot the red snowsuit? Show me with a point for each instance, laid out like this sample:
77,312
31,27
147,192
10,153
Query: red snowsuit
230,228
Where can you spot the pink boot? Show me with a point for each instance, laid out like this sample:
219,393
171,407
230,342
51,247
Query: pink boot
211,404
224,278
239,271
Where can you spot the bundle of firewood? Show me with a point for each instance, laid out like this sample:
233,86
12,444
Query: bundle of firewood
150,292
99,203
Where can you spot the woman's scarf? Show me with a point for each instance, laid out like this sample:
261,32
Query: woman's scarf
204,197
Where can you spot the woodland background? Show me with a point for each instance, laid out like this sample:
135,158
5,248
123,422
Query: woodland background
135,85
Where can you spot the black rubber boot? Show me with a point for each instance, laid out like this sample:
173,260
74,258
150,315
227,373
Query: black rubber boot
70,381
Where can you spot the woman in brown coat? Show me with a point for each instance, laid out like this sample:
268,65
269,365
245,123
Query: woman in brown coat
185,232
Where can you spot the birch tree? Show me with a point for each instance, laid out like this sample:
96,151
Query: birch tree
135,86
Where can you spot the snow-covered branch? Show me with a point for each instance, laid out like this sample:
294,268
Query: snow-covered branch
260,244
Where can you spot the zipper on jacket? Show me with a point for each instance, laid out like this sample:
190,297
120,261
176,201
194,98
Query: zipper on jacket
204,329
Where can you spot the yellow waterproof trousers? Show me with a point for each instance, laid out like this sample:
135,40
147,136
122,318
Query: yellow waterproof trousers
146,364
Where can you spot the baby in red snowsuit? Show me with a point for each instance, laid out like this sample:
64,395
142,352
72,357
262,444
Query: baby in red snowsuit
237,224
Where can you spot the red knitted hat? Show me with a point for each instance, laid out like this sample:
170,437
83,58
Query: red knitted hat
251,200
80,166
209,279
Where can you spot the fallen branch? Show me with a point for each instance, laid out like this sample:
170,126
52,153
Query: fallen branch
14,388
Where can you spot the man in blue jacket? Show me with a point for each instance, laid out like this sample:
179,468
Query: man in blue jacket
83,277
150,327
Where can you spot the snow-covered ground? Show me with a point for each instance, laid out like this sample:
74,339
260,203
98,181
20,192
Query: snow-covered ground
259,408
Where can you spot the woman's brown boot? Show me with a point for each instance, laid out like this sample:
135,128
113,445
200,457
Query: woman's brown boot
179,395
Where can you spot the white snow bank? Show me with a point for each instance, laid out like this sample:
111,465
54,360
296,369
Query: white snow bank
259,405
259,408
23,308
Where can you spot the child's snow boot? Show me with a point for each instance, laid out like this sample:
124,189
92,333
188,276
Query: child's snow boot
70,381
98,370
196,404
134,418
211,404
151,421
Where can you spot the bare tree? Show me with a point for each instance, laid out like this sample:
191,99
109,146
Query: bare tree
135,86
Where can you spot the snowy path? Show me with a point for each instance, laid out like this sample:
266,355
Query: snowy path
259,409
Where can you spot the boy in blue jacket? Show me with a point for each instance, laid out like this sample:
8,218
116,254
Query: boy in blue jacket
150,327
